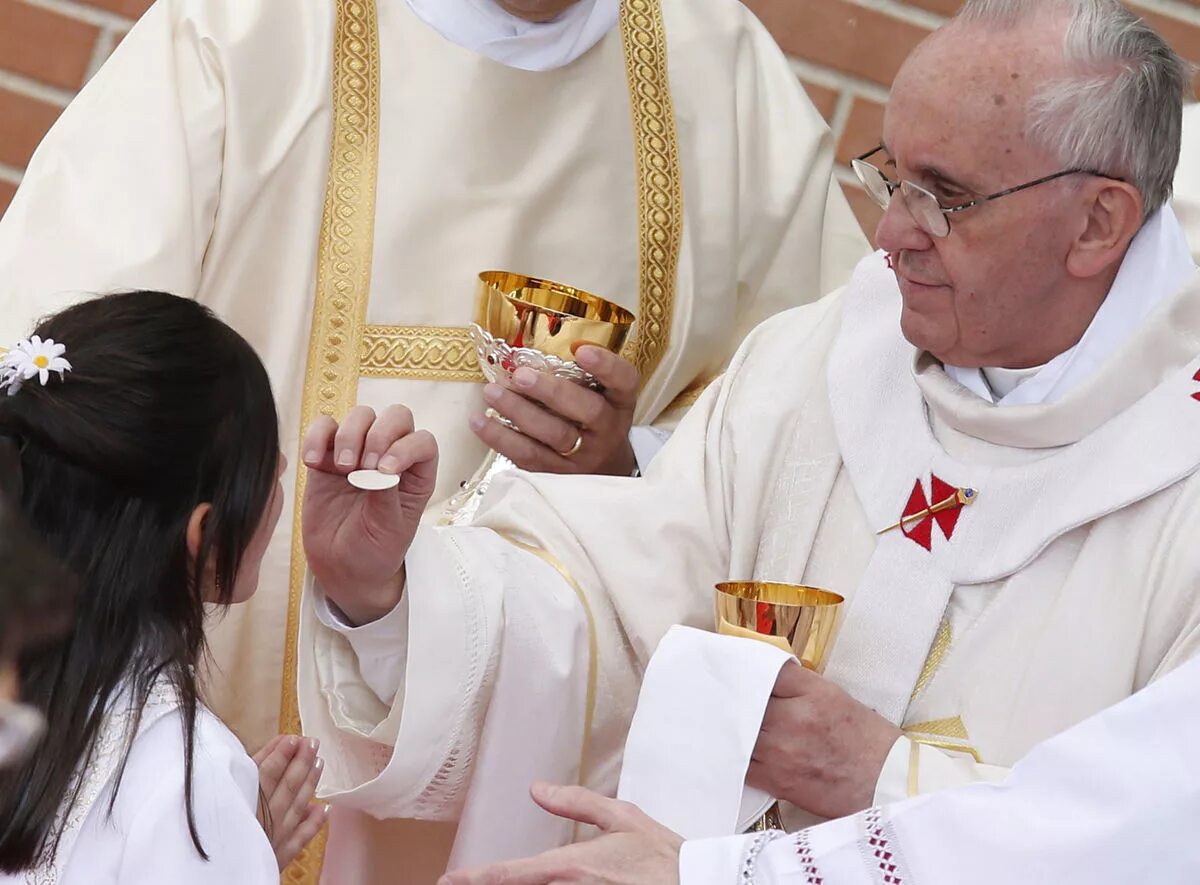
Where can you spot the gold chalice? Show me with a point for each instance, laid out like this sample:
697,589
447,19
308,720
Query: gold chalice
799,620
523,321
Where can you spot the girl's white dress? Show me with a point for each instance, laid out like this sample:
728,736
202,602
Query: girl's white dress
145,839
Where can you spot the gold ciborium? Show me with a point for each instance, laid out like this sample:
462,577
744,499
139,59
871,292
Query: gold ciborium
799,620
527,322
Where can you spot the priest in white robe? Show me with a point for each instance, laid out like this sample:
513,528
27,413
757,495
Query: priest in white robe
659,154
1023,359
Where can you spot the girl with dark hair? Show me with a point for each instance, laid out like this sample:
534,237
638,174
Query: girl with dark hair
138,434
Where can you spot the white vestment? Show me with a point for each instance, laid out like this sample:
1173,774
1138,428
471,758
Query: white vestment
1067,585
145,839
196,162
1111,801
1187,178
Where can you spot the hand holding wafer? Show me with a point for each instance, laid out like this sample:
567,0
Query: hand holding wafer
356,540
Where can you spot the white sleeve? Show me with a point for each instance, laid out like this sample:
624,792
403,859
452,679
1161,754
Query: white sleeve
122,193
380,647
158,846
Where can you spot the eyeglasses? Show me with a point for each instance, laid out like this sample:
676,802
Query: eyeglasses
20,728
927,211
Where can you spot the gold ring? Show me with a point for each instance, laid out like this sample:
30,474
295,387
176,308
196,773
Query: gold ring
575,448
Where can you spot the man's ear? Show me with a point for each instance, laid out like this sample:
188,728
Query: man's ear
1115,215
195,529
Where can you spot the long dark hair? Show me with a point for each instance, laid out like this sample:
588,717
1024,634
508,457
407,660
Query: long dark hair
166,408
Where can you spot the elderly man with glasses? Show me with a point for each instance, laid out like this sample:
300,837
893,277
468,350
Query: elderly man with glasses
988,443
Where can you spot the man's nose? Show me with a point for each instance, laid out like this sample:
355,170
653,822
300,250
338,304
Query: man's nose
898,231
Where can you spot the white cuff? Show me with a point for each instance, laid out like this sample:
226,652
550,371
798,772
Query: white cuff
647,442
713,861
380,646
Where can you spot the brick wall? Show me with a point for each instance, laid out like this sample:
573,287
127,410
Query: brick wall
845,51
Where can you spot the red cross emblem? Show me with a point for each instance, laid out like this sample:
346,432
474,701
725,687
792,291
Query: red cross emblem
916,522
1196,396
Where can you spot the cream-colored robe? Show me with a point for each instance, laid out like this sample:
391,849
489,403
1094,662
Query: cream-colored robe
196,162
1187,178
1070,583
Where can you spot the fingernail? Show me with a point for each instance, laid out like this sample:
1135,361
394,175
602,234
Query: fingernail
293,742
314,744
388,464
370,461
492,393
345,458
477,422
312,457
587,357
524,377
320,766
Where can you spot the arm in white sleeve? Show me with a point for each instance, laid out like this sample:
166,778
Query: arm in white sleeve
1111,801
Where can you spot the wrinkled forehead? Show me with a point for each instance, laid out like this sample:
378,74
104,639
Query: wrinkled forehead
966,92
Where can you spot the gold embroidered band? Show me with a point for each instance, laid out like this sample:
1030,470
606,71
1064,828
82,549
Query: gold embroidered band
421,353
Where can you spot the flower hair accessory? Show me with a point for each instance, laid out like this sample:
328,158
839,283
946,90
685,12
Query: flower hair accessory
32,358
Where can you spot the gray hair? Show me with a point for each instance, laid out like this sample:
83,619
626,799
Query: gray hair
1121,112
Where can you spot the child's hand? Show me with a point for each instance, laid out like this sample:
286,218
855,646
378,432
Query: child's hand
288,772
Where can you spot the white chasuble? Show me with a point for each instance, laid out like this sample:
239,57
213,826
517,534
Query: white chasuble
689,181
1068,584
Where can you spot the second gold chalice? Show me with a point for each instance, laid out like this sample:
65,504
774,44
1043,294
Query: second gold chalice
799,620
528,322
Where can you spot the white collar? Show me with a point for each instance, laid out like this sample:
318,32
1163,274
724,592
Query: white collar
482,26
1156,266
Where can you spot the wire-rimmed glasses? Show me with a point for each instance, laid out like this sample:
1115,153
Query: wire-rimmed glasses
927,211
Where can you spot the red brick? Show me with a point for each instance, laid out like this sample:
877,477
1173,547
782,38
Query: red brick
44,45
865,210
841,35
6,194
824,98
864,129
23,122
127,8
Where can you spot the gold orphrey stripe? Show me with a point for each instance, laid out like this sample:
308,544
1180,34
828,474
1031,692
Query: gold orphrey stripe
339,310
660,182
344,265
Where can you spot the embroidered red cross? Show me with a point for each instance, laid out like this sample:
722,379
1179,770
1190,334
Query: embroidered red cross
949,499
1196,396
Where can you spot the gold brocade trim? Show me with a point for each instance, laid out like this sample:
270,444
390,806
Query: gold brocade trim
945,734
340,306
660,182
593,652
420,353
937,653
687,398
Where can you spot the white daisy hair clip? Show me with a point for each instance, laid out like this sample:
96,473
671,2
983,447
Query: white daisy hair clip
32,358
